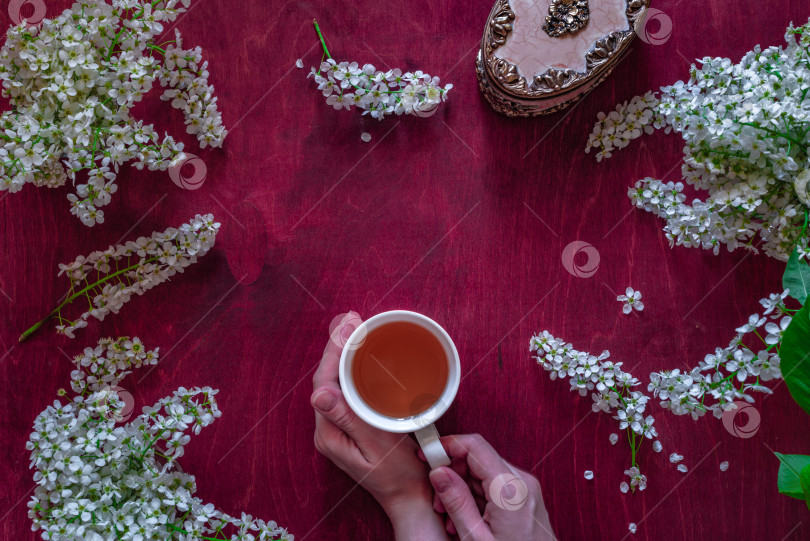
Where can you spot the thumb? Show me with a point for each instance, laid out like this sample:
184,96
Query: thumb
458,501
330,403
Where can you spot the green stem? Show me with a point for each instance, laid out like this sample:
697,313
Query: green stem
772,132
76,295
320,37
804,227
175,528
632,437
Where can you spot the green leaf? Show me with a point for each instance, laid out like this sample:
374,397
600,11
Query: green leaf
804,479
795,357
797,277
789,481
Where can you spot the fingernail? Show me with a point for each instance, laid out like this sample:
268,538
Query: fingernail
325,401
347,329
440,480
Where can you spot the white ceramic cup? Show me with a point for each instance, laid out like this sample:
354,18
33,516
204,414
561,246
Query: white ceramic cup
421,424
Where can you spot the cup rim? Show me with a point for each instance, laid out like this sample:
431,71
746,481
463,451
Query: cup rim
379,420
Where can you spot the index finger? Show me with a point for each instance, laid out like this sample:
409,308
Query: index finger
339,333
483,461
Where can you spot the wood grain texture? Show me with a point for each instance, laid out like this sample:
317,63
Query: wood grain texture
430,216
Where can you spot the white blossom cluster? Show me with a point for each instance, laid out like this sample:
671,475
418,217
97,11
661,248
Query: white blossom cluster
378,93
611,390
626,122
109,278
730,373
747,130
72,82
101,368
97,479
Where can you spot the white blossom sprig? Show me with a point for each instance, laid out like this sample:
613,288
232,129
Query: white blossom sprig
107,279
72,82
377,93
97,478
611,391
731,373
747,130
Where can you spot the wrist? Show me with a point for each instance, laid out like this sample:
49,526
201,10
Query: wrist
413,518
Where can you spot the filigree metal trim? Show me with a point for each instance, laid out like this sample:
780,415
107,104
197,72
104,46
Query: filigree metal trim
566,16
500,24
504,76
513,108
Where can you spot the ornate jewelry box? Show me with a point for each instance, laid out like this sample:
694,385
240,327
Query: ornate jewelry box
540,56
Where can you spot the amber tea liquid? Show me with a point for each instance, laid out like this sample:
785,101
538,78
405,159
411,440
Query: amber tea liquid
400,370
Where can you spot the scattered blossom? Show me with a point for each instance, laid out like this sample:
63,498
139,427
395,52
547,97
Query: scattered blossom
95,476
631,300
614,438
745,128
588,475
724,465
365,137
657,447
675,458
682,468
731,373
632,527
72,83
611,390
109,278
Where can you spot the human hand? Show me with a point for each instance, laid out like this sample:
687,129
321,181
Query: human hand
480,481
383,463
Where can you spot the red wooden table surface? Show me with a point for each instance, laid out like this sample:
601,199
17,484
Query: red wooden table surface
437,215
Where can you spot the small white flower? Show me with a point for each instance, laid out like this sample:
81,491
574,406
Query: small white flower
724,465
775,331
632,527
588,475
631,300
802,186
636,478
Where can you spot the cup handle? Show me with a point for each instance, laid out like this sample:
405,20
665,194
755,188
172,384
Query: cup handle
428,438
